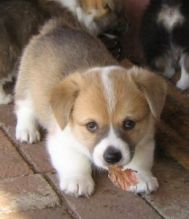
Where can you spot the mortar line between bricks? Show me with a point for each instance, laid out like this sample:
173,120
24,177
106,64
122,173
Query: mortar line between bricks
68,209
71,213
19,151
152,206
32,168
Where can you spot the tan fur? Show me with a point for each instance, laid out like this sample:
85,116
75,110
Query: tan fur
58,74
154,89
91,106
173,127
102,6
57,55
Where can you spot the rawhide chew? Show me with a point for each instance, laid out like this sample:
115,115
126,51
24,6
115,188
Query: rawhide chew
122,178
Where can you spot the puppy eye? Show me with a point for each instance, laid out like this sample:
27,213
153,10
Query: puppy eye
128,124
92,126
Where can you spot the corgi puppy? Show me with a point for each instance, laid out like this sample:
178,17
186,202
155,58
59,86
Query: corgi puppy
94,110
95,15
165,38
21,19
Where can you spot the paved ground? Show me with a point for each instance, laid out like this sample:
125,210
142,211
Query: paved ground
29,189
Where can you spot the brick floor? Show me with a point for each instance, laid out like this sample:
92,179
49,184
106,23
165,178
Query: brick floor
29,188
47,213
26,193
108,202
12,163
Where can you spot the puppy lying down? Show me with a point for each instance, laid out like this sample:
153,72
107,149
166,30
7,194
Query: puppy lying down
94,110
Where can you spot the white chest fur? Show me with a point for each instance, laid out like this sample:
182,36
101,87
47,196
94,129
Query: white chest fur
170,16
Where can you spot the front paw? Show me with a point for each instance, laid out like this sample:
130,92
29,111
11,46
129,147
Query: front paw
28,134
5,98
77,185
147,183
182,84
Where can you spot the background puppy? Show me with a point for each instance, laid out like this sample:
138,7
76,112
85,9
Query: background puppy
165,38
21,19
18,21
94,110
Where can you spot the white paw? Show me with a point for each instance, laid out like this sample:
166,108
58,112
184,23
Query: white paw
147,183
77,186
183,84
29,135
5,98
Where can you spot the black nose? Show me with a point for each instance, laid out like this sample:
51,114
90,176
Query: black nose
112,155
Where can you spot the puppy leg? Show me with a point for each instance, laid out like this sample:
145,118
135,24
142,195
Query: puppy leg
183,82
169,69
5,98
26,127
169,72
73,167
142,163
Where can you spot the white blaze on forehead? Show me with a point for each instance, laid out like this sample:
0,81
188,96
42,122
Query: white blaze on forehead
170,16
109,86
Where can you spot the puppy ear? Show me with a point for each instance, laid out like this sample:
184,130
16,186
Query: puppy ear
63,97
153,87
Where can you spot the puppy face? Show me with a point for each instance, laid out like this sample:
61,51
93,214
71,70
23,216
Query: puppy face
96,15
109,111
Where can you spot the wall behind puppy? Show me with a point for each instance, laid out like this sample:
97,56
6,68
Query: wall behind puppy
133,11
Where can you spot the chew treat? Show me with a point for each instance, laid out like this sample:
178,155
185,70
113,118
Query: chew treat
122,178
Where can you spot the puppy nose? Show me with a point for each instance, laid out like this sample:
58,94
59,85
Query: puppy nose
112,155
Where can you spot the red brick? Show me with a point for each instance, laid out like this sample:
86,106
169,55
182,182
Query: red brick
26,193
37,156
54,213
35,153
12,163
8,119
109,202
172,198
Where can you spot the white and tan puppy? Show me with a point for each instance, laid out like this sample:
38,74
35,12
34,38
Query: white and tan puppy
94,110
95,15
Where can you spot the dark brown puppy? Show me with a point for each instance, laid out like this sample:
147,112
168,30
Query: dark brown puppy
18,21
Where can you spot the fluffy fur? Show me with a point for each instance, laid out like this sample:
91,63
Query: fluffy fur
21,19
165,38
173,141
62,85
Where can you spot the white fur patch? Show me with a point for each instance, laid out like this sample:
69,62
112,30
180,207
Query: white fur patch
183,82
170,16
141,163
26,127
114,141
84,18
109,86
71,161
147,183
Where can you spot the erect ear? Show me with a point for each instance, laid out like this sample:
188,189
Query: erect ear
152,86
63,97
